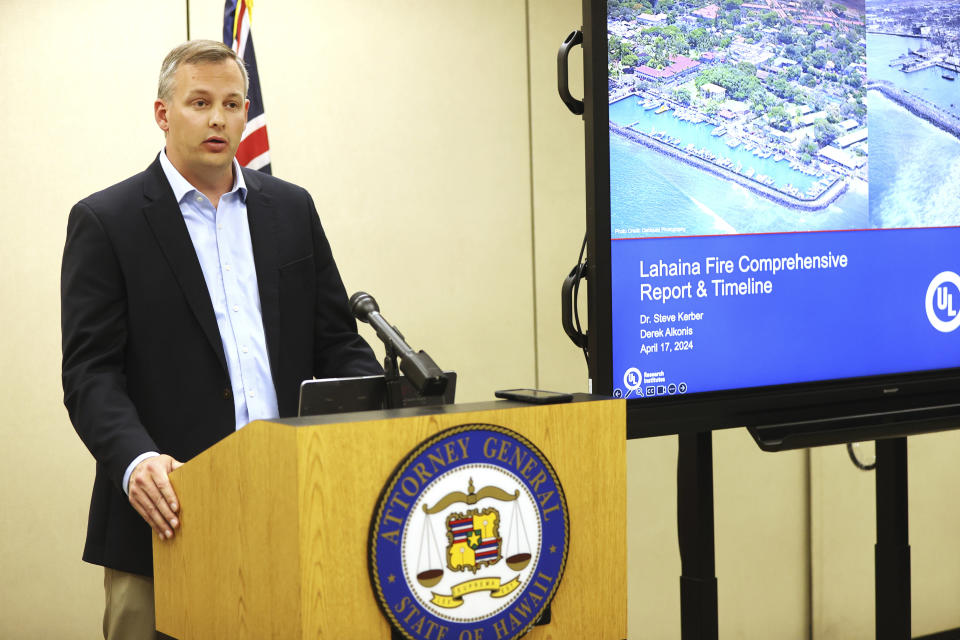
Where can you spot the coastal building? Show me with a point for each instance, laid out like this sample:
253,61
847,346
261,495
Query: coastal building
848,124
679,67
713,92
842,158
733,109
708,12
653,20
803,134
810,118
851,138
755,54
783,62
737,106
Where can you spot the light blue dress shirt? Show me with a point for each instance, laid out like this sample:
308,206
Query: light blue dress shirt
221,238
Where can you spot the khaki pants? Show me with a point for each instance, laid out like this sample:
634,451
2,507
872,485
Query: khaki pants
129,613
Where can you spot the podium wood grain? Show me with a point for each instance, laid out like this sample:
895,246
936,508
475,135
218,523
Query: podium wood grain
275,520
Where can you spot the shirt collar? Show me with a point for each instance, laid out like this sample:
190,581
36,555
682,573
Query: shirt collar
181,186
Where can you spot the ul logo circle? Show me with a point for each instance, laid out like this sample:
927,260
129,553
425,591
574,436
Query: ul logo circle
943,301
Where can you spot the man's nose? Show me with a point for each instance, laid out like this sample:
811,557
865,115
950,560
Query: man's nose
217,118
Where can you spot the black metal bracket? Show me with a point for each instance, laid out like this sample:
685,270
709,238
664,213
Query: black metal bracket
698,580
892,551
567,302
563,79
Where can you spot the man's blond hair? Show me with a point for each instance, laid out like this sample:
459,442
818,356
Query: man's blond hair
196,52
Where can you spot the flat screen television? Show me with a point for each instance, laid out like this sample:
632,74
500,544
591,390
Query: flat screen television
773,206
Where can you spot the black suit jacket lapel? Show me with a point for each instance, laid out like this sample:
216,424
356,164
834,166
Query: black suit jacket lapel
165,219
262,218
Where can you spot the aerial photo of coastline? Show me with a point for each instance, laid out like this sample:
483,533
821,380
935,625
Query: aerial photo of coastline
914,105
734,116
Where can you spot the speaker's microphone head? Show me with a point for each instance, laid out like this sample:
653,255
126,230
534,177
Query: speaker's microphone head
362,304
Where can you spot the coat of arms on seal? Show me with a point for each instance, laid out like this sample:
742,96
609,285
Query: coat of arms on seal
469,538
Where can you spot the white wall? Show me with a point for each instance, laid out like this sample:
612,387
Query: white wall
450,179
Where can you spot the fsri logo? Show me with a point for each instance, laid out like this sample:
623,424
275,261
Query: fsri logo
943,301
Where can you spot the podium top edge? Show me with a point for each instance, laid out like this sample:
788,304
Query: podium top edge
412,412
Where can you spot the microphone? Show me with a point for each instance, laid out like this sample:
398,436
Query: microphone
423,373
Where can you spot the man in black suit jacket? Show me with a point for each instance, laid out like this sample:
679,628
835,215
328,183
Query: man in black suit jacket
144,365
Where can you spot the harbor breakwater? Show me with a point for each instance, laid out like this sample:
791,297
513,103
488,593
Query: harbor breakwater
823,200
918,106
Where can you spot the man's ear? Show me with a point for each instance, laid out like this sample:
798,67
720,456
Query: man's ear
160,114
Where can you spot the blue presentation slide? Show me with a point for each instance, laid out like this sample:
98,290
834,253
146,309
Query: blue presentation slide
725,312
784,189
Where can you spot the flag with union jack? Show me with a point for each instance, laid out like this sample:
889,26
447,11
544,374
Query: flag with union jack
254,149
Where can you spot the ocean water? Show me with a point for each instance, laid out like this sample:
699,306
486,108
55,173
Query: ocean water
628,111
914,169
654,195
927,83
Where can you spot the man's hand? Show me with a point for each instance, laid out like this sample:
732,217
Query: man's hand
152,495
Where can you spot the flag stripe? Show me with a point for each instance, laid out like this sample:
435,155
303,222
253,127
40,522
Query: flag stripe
253,124
254,149
261,161
252,146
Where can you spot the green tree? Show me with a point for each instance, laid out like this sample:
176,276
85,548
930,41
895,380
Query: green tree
613,43
818,58
629,60
760,101
739,85
658,57
699,39
683,96
781,88
778,118
824,132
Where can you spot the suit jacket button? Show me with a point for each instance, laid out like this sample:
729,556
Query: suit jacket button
227,394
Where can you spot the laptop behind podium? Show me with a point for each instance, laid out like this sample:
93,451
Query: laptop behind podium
364,393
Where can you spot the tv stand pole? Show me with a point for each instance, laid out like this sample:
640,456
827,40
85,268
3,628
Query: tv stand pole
892,551
698,580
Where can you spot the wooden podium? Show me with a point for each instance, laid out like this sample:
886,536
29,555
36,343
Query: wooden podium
276,517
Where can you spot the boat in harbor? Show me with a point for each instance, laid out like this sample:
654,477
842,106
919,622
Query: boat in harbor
732,142
718,131
662,109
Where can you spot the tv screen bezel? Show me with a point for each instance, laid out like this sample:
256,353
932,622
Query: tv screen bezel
898,402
